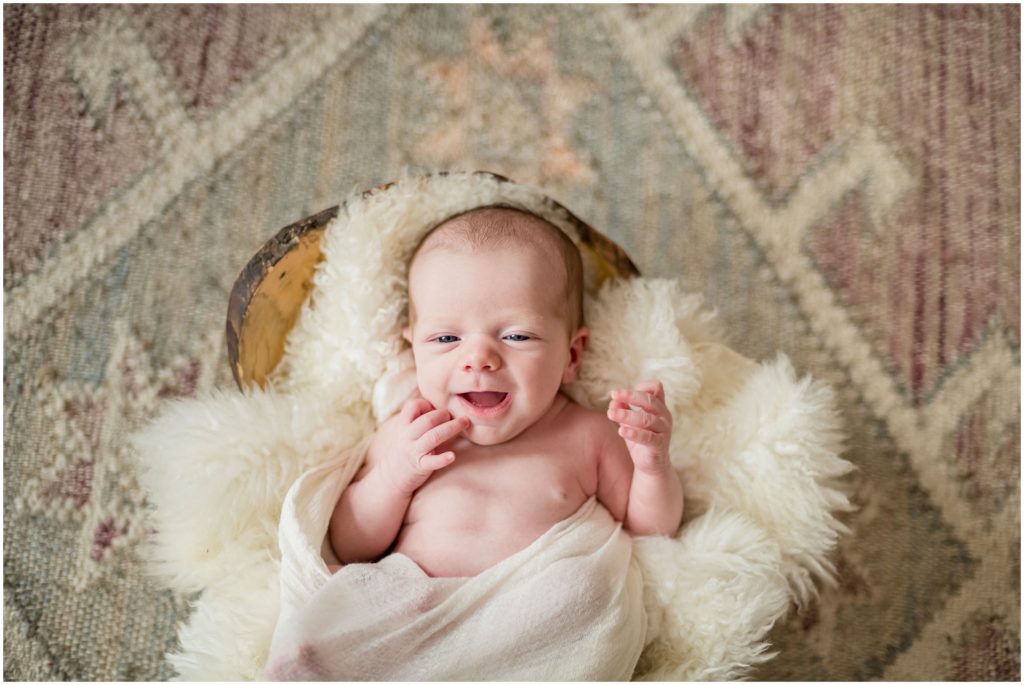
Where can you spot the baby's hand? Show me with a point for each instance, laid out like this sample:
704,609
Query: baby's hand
405,445
647,428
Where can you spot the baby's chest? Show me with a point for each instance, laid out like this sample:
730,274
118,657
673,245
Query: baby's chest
527,477
495,467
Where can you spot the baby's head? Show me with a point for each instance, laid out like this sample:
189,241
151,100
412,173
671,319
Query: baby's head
503,228
495,319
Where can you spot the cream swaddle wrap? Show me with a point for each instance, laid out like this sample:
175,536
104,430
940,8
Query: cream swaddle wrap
568,607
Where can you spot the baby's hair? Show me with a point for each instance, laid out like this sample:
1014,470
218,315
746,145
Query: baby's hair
501,226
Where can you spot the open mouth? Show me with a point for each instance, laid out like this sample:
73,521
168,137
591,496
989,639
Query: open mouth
485,403
484,400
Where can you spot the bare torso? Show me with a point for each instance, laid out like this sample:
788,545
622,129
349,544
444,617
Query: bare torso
494,501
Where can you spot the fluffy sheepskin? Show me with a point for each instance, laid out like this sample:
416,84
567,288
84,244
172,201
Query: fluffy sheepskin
757,448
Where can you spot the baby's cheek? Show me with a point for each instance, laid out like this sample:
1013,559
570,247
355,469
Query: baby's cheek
438,399
428,387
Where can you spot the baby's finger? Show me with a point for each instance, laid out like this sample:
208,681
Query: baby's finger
433,462
638,418
441,434
653,387
413,408
424,422
615,406
638,398
637,435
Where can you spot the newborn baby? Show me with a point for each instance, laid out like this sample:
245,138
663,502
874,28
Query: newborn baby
492,454
483,536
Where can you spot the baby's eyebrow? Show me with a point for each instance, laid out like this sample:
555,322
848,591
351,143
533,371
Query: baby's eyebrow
431,331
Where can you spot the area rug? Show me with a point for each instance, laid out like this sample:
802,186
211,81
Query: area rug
841,182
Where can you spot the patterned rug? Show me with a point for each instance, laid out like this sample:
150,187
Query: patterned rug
841,182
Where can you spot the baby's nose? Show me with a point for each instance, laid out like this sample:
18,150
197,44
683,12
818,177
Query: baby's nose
481,356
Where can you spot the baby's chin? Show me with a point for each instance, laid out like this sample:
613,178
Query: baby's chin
486,436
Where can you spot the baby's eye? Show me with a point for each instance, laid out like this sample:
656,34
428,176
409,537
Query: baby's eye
517,337
446,339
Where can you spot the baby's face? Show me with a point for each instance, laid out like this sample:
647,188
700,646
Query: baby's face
491,337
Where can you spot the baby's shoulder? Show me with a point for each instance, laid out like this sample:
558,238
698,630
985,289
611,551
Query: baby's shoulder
592,426
605,459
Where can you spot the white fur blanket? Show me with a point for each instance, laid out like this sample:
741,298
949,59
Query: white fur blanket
568,607
757,449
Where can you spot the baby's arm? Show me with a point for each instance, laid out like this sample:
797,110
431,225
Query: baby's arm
401,458
654,505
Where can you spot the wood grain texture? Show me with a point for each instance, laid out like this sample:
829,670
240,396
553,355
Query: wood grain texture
267,297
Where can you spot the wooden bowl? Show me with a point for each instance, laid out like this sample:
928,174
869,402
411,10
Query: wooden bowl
269,292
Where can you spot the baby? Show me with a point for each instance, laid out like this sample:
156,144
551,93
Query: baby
491,453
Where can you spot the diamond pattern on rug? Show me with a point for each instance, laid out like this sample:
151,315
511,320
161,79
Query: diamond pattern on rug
841,182
985,650
207,51
514,96
985,449
89,480
791,50
897,572
97,146
927,275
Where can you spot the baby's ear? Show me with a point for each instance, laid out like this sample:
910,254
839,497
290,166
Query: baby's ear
576,347
407,334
